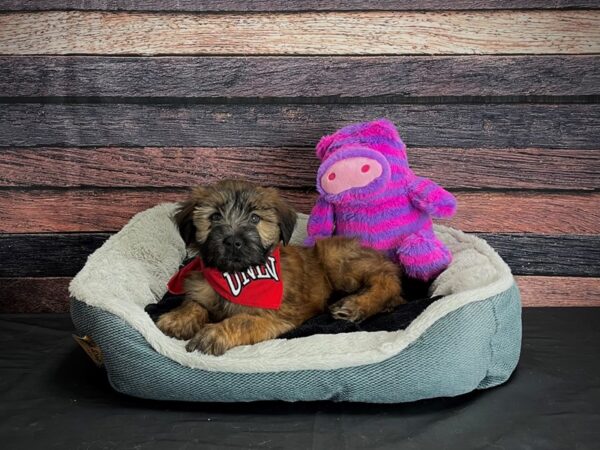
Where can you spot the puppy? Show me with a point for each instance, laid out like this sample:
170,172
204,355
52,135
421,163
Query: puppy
237,228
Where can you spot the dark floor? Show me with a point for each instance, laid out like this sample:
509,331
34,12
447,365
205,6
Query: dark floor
52,396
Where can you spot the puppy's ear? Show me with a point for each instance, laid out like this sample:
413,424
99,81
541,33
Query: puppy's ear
184,218
185,221
287,220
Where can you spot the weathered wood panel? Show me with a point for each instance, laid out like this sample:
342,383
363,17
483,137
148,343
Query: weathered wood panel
559,291
527,213
564,255
306,77
64,254
509,168
75,210
34,295
46,255
309,33
509,103
289,167
108,210
50,295
158,167
468,126
286,5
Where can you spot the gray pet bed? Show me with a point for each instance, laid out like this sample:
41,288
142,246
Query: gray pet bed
469,339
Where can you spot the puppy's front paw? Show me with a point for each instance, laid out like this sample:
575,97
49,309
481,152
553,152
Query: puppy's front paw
347,309
212,340
174,325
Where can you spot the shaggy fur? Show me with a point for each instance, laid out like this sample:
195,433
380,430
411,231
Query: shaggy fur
236,225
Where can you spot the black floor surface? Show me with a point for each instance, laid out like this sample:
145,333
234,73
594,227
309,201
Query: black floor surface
53,397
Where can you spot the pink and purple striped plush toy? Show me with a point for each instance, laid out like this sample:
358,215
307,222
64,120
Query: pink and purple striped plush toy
367,190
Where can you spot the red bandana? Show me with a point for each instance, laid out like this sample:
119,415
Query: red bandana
259,286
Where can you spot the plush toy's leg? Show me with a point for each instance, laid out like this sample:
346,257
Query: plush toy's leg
423,255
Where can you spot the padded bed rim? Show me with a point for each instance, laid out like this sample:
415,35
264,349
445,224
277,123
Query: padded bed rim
318,352
433,366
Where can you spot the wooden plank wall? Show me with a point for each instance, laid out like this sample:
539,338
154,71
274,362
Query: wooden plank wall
109,107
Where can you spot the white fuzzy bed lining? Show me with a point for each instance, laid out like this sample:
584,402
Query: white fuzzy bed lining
132,268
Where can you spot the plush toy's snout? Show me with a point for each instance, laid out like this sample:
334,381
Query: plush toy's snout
350,173
360,169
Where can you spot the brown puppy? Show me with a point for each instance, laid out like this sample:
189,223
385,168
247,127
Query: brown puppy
236,225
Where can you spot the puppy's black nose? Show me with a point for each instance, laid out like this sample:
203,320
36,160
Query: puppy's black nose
233,241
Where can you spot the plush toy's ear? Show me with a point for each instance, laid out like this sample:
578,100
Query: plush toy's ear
381,127
185,221
287,220
324,145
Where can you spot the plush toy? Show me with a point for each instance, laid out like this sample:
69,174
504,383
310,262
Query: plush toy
367,190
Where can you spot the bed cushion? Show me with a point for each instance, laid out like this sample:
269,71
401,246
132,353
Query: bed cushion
469,339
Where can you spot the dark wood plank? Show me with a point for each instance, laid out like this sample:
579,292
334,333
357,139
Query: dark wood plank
453,168
559,291
50,295
306,77
46,255
34,295
108,210
530,254
64,254
500,32
285,5
469,126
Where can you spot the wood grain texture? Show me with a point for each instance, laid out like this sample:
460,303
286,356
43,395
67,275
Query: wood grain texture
74,210
467,126
64,254
286,5
509,168
46,255
527,213
529,254
559,291
289,167
306,77
50,294
34,295
310,33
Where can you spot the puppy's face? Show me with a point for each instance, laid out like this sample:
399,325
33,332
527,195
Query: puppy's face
235,224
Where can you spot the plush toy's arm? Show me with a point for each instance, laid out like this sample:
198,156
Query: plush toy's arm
320,222
431,198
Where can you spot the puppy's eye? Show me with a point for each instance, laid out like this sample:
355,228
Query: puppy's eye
215,217
254,218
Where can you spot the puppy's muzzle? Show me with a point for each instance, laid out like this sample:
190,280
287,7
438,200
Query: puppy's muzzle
233,243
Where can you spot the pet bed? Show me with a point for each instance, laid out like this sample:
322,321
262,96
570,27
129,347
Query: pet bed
468,339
